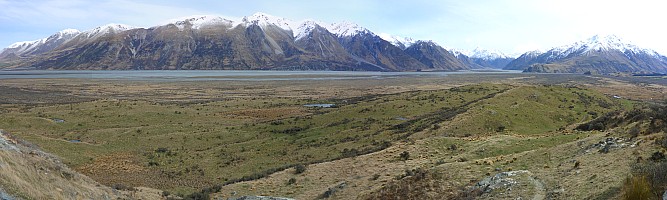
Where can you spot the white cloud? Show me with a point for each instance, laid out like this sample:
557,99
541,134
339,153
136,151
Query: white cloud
89,14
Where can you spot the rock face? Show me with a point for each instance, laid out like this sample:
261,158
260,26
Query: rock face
371,51
257,42
511,185
435,57
500,180
5,196
598,54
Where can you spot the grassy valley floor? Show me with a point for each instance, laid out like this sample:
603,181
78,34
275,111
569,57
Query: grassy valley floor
405,137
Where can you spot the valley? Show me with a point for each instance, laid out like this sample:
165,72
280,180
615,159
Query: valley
397,137
350,100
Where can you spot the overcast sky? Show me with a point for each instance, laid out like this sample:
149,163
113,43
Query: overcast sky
511,26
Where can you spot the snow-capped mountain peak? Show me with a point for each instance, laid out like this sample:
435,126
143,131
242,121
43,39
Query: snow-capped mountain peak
69,31
106,29
263,19
199,21
348,29
26,44
64,34
486,54
533,53
599,43
426,42
459,52
305,28
402,42
603,42
44,44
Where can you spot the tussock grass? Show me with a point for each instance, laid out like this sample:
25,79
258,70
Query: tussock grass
637,188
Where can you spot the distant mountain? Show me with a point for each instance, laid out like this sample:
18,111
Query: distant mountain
266,42
598,54
434,56
320,49
368,48
525,59
482,58
490,58
259,41
463,57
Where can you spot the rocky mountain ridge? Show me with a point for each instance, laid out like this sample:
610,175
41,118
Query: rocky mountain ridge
265,42
260,41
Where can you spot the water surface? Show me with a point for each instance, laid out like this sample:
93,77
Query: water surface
250,75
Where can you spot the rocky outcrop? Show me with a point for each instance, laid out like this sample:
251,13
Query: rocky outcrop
511,185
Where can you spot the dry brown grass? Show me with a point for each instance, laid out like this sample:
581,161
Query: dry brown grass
624,89
31,174
637,188
266,114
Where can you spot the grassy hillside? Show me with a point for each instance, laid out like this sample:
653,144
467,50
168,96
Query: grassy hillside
29,173
532,110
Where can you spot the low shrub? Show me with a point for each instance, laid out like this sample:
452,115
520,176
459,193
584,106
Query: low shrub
119,186
300,168
655,174
291,181
204,194
405,155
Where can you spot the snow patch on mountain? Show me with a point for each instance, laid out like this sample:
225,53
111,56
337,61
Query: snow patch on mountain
27,46
534,53
348,29
426,42
305,28
199,21
43,44
69,31
263,20
402,42
107,29
66,35
459,52
485,54
26,43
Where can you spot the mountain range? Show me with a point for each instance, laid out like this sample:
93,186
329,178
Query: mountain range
598,54
260,41
265,42
483,58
